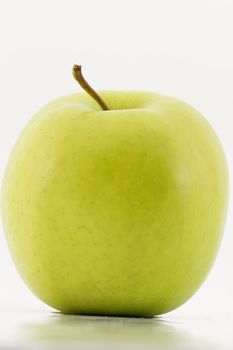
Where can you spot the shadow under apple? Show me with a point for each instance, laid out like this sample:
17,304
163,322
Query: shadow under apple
96,332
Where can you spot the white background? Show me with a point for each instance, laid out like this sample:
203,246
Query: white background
182,48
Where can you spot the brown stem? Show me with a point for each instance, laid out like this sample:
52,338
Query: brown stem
77,73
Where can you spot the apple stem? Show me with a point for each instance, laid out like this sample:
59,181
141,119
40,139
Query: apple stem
77,73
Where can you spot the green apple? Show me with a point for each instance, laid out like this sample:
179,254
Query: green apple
119,210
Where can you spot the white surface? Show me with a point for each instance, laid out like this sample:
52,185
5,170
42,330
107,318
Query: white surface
38,330
180,48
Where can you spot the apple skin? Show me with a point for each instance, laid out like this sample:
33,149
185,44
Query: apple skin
117,212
